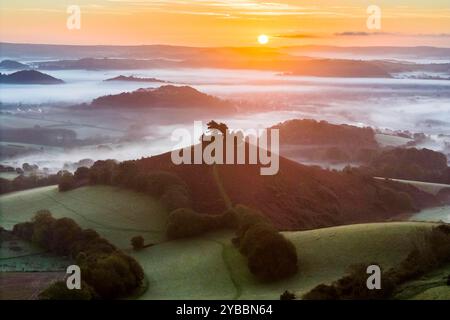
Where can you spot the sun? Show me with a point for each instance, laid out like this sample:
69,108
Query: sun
263,39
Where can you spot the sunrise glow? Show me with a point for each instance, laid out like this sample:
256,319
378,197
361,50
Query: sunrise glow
263,39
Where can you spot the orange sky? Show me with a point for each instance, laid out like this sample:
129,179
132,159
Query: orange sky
227,22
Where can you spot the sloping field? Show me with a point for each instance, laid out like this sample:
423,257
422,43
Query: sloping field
116,214
211,268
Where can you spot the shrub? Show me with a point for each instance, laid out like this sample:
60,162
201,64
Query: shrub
322,292
270,256
82,173
59,291
23,230
137,242
287,295
352,287
66,182
106,269
175,197
185,222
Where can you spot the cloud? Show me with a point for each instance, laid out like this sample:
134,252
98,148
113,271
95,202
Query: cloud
360,33
398,34
298,36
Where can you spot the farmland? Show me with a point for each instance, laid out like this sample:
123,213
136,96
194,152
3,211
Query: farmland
210,267
114,213
213,269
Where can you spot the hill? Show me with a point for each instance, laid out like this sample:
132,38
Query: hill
410,164
311,140
12,65
298,197
29,77
135,79
167,96
181,269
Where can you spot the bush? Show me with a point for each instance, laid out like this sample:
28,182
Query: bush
82,173
322,292
287,295
271,257
137,242
175,197
66,182
183,223
23,230
106,269
59,291
352,287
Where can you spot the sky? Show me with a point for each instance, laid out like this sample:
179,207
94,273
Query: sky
227,22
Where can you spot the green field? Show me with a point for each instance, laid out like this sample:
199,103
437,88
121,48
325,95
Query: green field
209,267
116,214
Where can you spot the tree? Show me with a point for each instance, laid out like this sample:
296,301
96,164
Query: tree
137,242
287,295
82,173
66,182
221,127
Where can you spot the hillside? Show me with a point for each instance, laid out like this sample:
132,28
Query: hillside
222,273
167,96
134,79
29,77
116,214
12,65
298,197
310,140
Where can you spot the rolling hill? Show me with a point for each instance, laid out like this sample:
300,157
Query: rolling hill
167,96
29,77
298,196
209,266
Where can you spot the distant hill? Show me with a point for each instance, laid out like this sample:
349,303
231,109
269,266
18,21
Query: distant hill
168,96
340,68
135,79
305,139
410,164
312,132
29,77
12,65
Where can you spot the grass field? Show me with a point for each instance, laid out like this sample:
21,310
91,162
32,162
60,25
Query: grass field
116,214
209,267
